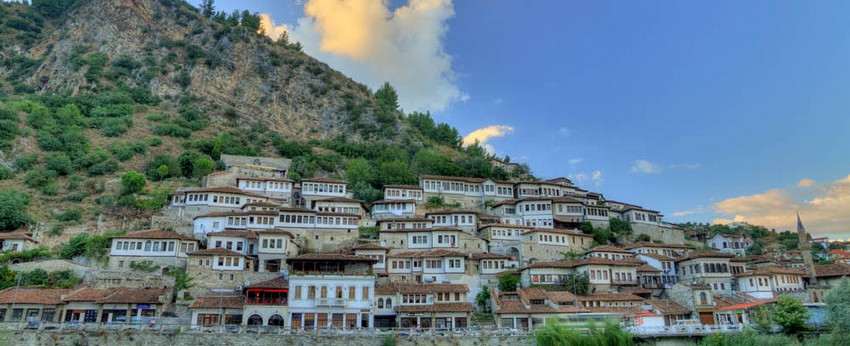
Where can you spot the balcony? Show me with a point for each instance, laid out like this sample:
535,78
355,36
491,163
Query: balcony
330,302
280,301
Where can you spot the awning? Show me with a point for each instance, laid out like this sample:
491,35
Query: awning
745,306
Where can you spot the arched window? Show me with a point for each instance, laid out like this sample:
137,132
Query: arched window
255,320
380,303
703,299
389,303
276,320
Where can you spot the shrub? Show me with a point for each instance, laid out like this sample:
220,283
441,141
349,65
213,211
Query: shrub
132,182
156,117
153,141
70,215
58,162
39,178
115,127
6,173
154,171
26,162
13,209
98,162
172,130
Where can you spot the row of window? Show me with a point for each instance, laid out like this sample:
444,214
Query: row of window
403,193
548,238
597,212
458,219
538,222
493,264
538,207
403,225
391,206
149,246
572,209
322,187
272,185
505,233
338,290
451,186
227,199
343,210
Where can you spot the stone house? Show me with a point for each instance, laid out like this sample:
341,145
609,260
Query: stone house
17,241
425,306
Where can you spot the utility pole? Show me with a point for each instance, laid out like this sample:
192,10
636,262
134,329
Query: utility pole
15,298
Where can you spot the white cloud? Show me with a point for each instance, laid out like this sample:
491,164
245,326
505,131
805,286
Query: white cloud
644,166
803,183
581,178
565,132
596,176
371,44
271,29
823,207
575,161
484,134
687,166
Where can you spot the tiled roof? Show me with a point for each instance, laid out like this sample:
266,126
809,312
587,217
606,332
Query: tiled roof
626,262
668,307
296,210
278,282
443,177
224,189
369,246
704,254
656,256
432,229
415,288
434,308
265,179
624,310
558,231
609,297
772,271
225,302
828,270
44,296
325,213
340,200
87,294
17,236
409,187
237,213
656,245
608,248
154,234
451,211
234,233
274,231
215,251
635,290
324,180
124,295
261,204
330,257
504,225
429,253
405,219
646,268
488,255
390,201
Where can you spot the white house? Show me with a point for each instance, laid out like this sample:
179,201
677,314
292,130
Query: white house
15,242
710,268
403,193
462,219
330,290
393,209
769,282
160,247
279,188
319,188
431,266
731,243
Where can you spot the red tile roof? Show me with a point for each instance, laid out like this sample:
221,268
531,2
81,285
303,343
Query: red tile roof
17,236
215,251
609,297
87,294
656,245
154,234
668,307
330,257
124,295
608,248
278,282
429,253
44,296
324,180
414,288
225,302
704,254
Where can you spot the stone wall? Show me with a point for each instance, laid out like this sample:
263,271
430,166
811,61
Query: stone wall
667,235
53,266
135,338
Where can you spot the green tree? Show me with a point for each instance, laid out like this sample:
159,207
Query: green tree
202,167
162,171
207,8
132,182
790,314
555,334
250,20
51,8
8,277
643,237
483,297
395,172
76,246
13,209
838,306
762,320
358,170
508,282
37,277
620,227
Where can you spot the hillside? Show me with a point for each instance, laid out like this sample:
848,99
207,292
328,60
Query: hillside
91,89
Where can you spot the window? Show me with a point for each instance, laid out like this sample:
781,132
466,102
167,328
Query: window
324,292
297,292
351,293
366,293
148,245
311,292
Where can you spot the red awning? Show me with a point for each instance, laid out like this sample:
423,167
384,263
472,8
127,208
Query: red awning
745,306
270,290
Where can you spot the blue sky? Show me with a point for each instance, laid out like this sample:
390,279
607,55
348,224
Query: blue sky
729,104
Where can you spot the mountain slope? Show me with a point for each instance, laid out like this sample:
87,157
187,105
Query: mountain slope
169,49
